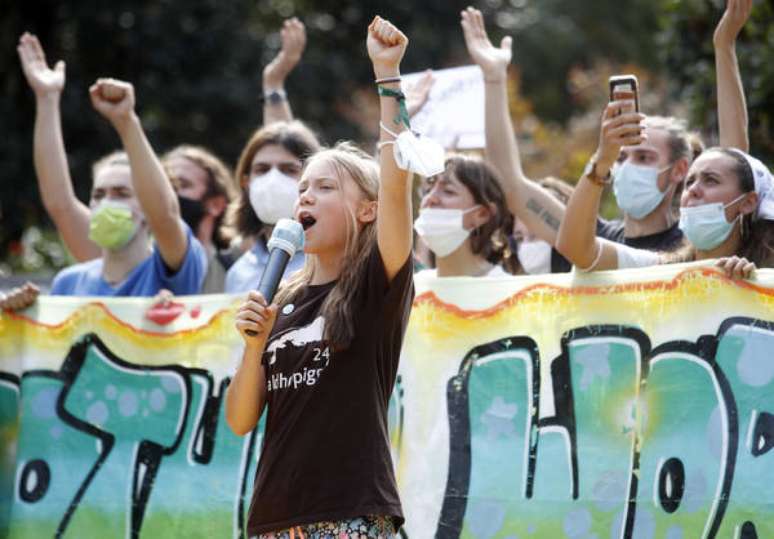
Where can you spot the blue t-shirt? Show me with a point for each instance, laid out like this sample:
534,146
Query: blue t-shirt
146,279
246,272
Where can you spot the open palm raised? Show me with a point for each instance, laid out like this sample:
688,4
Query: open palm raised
41,78
492,60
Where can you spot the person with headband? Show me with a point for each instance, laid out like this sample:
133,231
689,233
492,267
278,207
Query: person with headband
726,209
646,183
203,183
464,221
727,205
132,199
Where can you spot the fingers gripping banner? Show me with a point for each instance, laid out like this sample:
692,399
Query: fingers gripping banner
626,404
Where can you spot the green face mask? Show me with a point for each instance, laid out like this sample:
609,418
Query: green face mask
112,226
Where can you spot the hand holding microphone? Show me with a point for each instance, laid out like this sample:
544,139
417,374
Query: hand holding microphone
256,316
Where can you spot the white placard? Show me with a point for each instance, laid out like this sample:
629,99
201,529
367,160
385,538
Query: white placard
454,112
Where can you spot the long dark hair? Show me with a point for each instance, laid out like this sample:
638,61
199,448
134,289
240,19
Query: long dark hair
293,136
490,240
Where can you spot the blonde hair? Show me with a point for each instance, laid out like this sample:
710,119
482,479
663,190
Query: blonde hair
337,309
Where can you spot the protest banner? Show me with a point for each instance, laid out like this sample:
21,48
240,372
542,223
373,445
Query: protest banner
623,404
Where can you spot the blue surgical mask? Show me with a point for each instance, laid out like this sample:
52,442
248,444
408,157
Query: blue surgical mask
636,189
706,226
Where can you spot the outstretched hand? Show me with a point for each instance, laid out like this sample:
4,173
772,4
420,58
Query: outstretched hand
492,60
734,18
42,79
417,93
293,37
386,46
113,99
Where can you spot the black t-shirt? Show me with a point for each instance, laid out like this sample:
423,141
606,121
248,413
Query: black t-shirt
664,241
326,451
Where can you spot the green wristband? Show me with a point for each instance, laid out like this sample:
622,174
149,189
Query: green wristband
402,116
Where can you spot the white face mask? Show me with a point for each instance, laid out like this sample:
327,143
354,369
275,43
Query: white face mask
705,226
420,155
441,229
273,196
534,256
636,189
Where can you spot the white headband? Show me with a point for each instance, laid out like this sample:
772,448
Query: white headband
764,186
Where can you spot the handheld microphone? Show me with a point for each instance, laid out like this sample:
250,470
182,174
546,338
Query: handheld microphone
287,238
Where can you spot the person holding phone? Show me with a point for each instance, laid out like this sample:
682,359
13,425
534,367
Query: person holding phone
654,168
726,208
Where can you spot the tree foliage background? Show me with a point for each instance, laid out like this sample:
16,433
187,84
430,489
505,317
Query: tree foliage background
196,66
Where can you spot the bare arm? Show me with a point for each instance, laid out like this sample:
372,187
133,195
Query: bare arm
115,101
577,239
246,394
70,215
538,209
732,108
293,36
386,45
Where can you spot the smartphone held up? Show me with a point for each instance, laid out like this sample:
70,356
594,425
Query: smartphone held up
625,88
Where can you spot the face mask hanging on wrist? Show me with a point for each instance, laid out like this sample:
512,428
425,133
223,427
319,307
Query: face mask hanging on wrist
273,196
636,189
442,229
413,152
418,154
111,225
706,226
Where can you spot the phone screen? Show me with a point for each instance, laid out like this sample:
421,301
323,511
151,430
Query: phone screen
624,88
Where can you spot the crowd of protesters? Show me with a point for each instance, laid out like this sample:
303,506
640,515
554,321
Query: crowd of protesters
185,224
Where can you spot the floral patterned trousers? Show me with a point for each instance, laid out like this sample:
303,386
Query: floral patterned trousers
368,527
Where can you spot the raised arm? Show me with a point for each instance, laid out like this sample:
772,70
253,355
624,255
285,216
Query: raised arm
276,107
386,45
70,215
577,240
115,101
732,108
538,209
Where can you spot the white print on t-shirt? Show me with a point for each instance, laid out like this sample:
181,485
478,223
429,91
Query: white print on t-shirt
297,337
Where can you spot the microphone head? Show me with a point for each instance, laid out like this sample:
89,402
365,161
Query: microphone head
288,235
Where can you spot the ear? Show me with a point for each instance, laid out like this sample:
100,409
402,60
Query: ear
679,171
245,183
216,205
749,203
483,214
366,211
